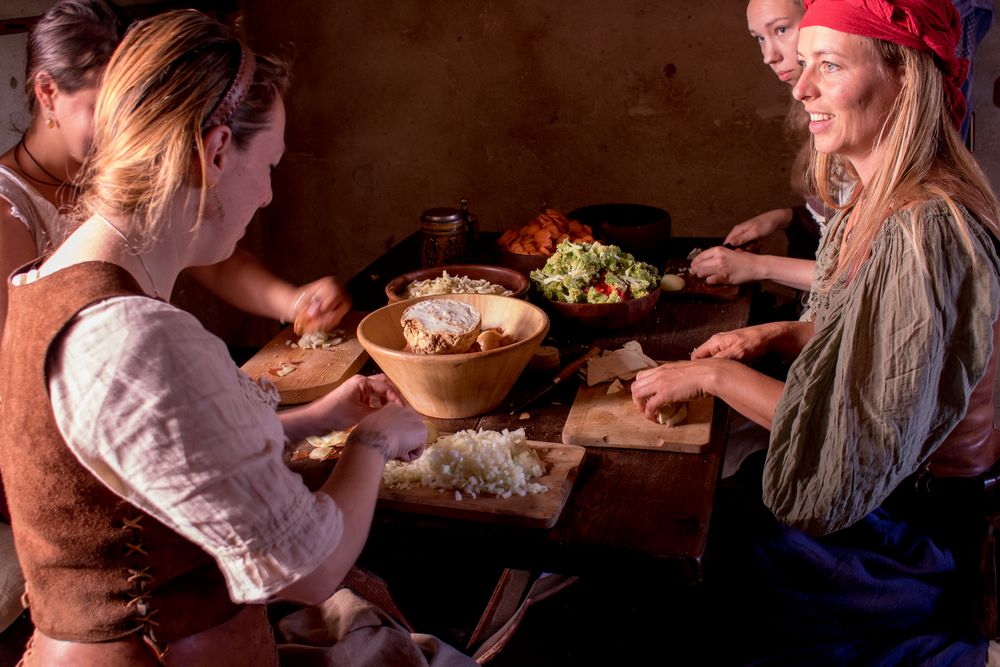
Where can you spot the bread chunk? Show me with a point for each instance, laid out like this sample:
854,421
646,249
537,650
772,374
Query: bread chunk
441,326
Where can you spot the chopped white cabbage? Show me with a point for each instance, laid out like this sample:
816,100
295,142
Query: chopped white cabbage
472,463
445,284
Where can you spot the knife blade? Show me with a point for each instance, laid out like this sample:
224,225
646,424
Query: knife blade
567,371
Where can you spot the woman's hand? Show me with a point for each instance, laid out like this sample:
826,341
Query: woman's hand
673,382
356,398
742,344
721,266
396,431
759,226
319,306
785,338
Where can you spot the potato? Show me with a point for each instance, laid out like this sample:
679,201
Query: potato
671,282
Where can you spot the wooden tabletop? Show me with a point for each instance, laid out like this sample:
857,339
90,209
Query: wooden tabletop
628,508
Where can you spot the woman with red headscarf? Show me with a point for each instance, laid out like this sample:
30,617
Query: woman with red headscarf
882,448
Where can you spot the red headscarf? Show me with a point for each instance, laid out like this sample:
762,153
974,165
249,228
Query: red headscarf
930,26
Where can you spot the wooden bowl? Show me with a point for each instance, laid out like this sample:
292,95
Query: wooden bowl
635,228
608,315
521,263
452,386
498,275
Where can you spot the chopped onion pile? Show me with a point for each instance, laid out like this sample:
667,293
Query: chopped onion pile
445,284
473,463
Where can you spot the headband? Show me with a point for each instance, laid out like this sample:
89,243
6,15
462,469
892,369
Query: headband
929,26
236,92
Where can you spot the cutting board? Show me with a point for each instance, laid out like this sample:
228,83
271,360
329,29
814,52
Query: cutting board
316,371
538,510
597,419
695,286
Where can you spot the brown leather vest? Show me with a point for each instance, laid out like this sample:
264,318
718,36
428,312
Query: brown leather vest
973,446
97,568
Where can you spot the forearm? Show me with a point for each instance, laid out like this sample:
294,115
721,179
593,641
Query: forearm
778,218
797,273
793,337
752,394
354,486
242,281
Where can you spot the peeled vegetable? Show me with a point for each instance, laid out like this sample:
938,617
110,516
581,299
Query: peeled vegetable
671,282
671,414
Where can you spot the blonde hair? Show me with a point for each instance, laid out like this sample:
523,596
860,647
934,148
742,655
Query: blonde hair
160,86
924,159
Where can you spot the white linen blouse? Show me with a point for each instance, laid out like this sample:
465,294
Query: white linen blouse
152,404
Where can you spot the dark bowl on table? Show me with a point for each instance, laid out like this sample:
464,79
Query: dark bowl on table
510,279
635,228
523,264
606,315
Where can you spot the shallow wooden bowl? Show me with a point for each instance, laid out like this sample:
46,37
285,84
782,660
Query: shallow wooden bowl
608,315
513,280
452,386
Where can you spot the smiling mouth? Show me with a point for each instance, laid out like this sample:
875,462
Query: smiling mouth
819,121
786,75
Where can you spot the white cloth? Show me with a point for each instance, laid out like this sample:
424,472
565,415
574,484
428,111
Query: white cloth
39,216
152,404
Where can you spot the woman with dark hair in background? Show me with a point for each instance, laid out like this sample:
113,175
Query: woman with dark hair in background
67,51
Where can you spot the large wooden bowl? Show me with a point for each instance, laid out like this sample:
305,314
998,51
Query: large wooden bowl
513,280
608,315
452,386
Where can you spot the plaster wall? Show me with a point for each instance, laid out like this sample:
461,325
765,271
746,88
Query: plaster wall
398,107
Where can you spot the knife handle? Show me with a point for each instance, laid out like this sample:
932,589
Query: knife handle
572,367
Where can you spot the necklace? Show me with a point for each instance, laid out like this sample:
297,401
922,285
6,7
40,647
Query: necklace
55,179
128,244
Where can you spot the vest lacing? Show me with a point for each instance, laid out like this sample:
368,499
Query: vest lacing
141,579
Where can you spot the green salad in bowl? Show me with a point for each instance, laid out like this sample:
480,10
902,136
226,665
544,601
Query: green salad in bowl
594,273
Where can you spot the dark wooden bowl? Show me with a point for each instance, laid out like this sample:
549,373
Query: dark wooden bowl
513,280
521,263
635,228
607,315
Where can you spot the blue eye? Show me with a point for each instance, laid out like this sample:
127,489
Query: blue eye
828,66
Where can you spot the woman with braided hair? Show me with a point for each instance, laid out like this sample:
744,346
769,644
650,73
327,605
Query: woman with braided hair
152,510
865,549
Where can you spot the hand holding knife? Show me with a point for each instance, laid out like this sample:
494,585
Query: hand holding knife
567,371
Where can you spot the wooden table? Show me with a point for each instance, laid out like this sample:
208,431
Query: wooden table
628,508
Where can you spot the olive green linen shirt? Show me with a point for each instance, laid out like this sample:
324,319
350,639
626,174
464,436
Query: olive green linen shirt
887,375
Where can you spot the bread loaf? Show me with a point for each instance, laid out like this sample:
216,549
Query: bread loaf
441,326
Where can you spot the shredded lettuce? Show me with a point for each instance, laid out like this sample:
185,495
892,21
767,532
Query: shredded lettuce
594,273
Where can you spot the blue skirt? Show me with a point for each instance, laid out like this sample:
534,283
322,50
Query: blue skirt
885,591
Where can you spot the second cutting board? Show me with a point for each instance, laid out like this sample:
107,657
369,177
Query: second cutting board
316,371
598,419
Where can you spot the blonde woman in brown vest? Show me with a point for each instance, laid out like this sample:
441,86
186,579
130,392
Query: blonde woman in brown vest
152,512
